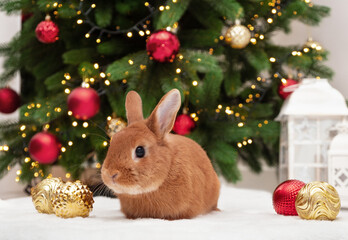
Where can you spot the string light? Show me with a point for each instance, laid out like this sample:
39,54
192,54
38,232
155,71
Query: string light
109,118
102,75
129,34
67,175
83,135
85,124
74,123
105,143
87,35
93,5
79,21
130,61
96,65
195,83
107,82
178,70
63,149
67,90
98,40
22,128
69,113
70,143
261,36
141,33
272,59
270,20
27,159
161,8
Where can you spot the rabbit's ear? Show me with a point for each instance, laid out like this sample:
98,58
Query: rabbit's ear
134,107
161,120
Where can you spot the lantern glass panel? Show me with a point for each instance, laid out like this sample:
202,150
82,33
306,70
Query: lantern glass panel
308,174
305,129
306,153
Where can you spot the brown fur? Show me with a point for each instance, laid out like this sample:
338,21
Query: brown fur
174,180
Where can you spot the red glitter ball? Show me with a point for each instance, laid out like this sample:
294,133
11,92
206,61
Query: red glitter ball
9,100
44,147
163,46
284,89
284,197
47,31
84,103
183,124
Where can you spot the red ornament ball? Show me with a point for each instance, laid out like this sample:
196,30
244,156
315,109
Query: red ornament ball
44,147
84,103
183,124
286,87
163,46
284,197
9,100
47,31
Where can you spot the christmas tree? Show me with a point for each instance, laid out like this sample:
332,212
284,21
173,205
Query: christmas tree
78,59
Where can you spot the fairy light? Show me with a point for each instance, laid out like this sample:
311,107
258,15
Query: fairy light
98,165
67,90
245,143
146,4
67,175
47,126
129,34
272,59
105,143
270,20
27,159
141,33
178,70
195,83
161,8
70,143
69,113
240,124
17,179
57,109
228,111
250,141
130,61
219,106
259,125
74,123
262,37
294,53
85,124
83,135
142,67
193,115
93,5
87,35
109,118
274,11
147,32
26,114
19,172
306,50
265,122
253,86
98,40
96,65
239,145
63,82
67,76
79,21
237,114
167,7
92,80
174,1
107,82
23,127
102,75
253,40
63,149
24,135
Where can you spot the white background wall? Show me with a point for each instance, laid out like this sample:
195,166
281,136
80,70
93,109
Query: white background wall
332,34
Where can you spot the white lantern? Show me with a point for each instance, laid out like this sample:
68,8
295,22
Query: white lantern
338,163
307,118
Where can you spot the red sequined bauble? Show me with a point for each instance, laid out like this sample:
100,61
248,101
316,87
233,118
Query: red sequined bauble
183,124
163,46
44,147
47,31
84,103
286,87
284,197
9,100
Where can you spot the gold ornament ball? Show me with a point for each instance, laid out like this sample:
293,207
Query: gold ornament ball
43,192
115,125
73,199
318,201
238,36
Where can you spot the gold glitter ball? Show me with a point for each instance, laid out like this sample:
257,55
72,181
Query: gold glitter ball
43,192
318,201
238,36
73,199
114,125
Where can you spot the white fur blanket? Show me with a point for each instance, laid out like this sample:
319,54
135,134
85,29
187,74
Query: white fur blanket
245,214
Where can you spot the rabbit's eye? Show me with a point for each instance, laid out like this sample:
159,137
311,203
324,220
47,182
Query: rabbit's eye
140,152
